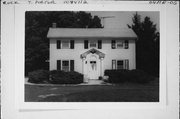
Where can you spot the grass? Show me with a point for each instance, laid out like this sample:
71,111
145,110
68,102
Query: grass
126,92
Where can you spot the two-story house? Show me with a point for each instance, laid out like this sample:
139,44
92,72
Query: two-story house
91,51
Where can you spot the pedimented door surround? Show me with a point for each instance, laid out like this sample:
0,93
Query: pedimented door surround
92,64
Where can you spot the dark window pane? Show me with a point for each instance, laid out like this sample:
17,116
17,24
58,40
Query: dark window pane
120,64
65,65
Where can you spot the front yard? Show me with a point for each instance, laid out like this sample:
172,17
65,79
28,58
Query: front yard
126,92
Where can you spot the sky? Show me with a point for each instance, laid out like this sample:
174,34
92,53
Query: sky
120,19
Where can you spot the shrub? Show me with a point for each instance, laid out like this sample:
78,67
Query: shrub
117,76
139,76
100,78
135,76
38,76
61,77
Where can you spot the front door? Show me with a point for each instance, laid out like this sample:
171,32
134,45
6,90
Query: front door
93,70
93,67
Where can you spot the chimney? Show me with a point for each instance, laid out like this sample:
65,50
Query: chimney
54,25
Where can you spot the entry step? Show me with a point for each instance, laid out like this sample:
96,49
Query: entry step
95,81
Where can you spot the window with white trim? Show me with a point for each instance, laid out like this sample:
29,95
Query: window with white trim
92,44
119,44
126,43
120,64
65,65
65,44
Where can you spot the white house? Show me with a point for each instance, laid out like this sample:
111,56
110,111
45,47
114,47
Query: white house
91,51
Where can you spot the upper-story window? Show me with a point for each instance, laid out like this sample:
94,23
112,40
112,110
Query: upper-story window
126,44
92,44
119,44
116,44
65,44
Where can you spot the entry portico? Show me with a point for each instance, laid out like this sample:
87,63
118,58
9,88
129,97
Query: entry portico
92,64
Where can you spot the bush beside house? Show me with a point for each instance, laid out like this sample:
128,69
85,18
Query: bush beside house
55,77
61,77
117,76
38,76
139,76
134,76
72,77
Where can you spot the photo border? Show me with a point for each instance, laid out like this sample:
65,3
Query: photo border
20,59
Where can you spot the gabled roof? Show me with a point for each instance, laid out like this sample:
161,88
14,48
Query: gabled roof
90,33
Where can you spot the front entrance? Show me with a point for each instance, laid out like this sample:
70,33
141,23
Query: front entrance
92,64
93,69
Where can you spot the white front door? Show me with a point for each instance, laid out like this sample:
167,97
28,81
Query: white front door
93,67
93,74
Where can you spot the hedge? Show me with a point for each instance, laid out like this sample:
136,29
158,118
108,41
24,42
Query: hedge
139,76
38,76
135,76
116,76
61,77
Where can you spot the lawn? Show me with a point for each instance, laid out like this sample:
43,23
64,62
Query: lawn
126,92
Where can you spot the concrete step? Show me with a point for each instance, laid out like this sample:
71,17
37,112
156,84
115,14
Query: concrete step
95,81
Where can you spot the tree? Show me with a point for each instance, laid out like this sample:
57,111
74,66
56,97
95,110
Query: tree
36,28
147,45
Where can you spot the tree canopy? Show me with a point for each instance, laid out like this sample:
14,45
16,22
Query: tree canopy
37,24
147,45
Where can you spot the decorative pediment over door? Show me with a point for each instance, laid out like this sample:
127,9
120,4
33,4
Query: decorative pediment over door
93,51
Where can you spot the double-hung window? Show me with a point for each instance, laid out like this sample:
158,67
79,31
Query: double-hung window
119,44
65,65
120,64
93,44
65,44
